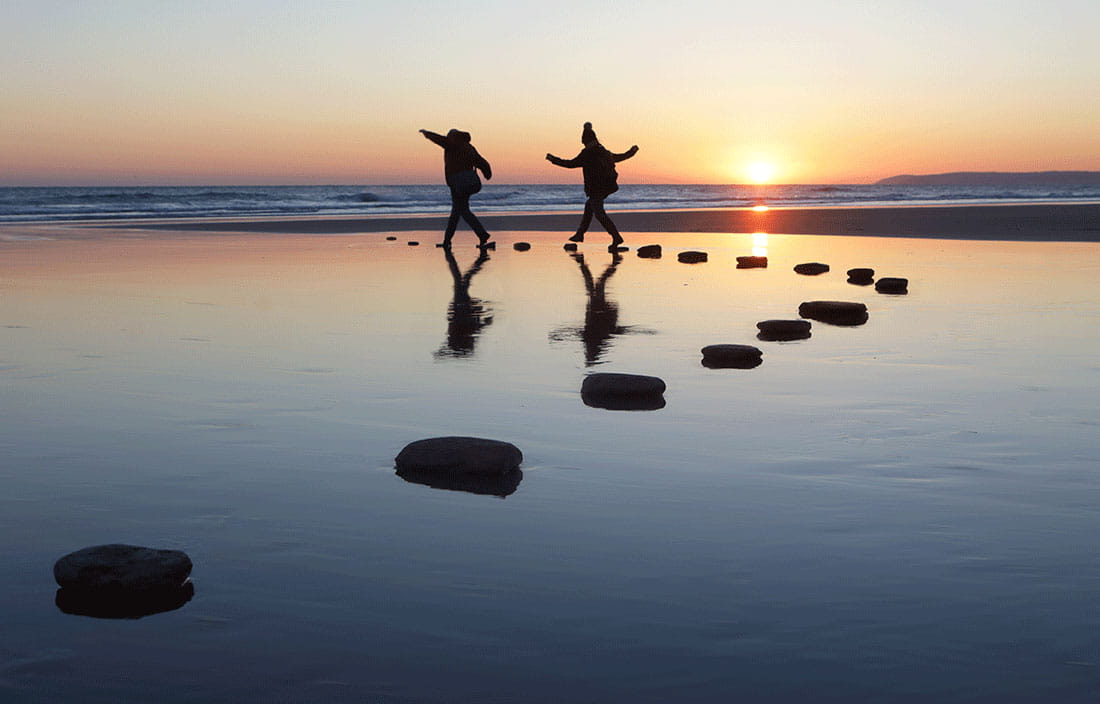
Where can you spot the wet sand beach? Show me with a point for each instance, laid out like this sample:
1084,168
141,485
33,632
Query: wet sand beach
1056,223
901,510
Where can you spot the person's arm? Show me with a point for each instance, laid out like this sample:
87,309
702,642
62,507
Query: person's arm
437,138
483,165
625,155
567,163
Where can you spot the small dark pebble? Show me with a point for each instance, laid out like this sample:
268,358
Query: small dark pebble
391,239
650,251
413,243
570,246
521,246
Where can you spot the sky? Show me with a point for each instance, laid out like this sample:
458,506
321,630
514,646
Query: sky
170,92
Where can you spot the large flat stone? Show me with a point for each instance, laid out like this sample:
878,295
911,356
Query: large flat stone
118,567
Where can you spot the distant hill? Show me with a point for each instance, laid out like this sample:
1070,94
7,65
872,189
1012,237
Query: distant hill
997,178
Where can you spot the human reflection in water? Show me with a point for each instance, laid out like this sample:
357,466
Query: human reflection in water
601,315
466,316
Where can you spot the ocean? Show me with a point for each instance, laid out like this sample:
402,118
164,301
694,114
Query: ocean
88,203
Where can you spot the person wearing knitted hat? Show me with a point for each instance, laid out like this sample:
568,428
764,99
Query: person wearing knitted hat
460,164
600,181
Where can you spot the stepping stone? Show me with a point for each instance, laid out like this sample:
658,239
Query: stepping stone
459,455
650,251
783,330
692,257
521,246
570,246
892,285
834,312
861,277
752,262
119,568
623,392
413,243
732,356
811,268
391,239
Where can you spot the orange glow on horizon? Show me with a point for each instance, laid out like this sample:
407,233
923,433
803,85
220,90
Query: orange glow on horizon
760,208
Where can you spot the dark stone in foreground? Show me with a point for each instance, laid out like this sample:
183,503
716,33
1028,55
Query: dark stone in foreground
732,356
623,392
116,604
811,268
414,243
692,257
783,330
122,568
834,312
449,456
570,246
650,251
501,485
521,246
892,285
752,262
391,238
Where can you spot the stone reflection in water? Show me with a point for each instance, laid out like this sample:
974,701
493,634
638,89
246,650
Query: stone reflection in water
501,485
601,314
466,316
122,604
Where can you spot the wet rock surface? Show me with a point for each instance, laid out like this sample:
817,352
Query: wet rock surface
834,312
730,356
521,246
692,257
118,568
650,251
623,392
458,455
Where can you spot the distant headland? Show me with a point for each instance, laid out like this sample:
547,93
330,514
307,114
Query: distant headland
996,178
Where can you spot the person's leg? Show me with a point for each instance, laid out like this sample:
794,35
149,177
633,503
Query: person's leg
452,222
605,220
462,202
586,220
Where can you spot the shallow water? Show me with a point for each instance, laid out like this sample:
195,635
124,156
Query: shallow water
900,511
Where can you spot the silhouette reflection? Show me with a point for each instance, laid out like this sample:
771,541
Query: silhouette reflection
502,485
122,604
466,316
601,315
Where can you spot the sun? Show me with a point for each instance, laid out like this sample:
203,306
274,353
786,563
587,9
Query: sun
760,172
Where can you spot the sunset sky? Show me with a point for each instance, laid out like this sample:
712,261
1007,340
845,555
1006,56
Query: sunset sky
248,92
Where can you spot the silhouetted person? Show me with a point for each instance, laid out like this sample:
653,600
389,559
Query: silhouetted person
601,315
466,316
600,181
460,166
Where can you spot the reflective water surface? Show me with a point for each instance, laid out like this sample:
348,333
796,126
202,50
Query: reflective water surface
903,510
